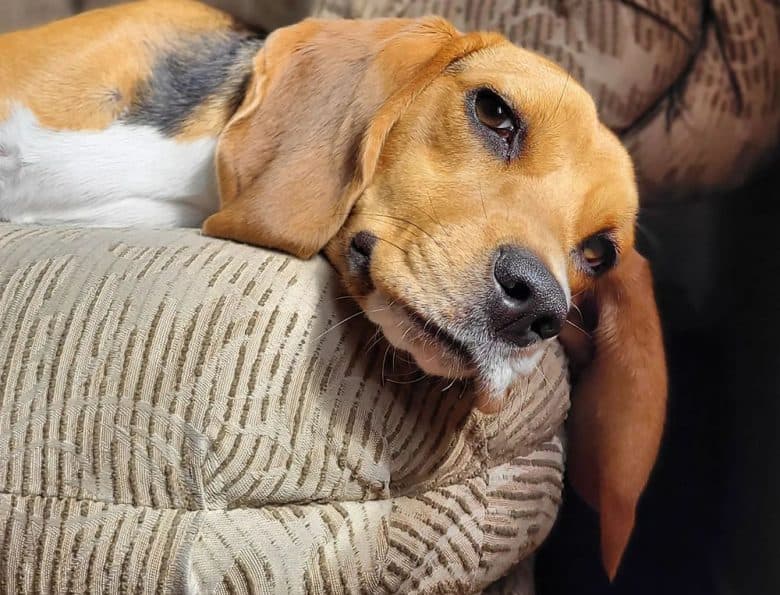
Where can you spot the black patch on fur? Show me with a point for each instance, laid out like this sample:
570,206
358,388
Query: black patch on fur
191,72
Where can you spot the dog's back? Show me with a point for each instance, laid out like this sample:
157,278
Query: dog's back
89,102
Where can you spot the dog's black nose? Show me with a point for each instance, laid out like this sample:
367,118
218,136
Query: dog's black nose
529,303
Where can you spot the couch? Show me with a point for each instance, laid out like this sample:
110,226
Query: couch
184,414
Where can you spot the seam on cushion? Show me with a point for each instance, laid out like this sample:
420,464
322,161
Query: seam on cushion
482,462
658,18
675,90
302,502
671,96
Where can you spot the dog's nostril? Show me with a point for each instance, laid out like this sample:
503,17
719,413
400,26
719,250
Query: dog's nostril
363,243
517,290
546,327
529,304
511,278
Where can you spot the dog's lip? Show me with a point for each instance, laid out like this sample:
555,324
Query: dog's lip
438,333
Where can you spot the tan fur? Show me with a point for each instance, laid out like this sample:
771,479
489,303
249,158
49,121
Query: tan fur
305,105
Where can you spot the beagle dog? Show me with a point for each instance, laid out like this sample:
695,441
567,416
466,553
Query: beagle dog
463,187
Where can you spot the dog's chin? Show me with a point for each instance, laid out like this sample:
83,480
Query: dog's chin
439,353
436,359
498,375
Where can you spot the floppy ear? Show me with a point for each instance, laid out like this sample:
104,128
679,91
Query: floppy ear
306,140
619,401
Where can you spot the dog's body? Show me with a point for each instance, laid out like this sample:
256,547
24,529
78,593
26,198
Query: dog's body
112,118
463,188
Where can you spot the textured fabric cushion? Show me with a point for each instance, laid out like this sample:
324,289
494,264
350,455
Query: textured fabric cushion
181,413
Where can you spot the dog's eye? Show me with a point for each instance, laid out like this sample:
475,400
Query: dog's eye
598,253
502,130
494,113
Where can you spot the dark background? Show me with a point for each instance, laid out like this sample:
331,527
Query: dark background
709,522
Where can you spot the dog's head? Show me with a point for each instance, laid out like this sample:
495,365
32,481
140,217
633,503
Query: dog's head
471,200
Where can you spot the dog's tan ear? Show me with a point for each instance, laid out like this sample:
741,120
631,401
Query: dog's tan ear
619,401
306,140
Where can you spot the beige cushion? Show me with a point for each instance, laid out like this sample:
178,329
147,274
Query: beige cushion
180,412
18,14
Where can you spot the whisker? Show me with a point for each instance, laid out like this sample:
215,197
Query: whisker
525,393
384,361
426,213
430,202
347,319
457,368
499,418
379,217
485,440
652,239
579,328
391,243
482,199
563,92
577,308
403,220
449,386
410,373
423,377
544,376
372,345
374,340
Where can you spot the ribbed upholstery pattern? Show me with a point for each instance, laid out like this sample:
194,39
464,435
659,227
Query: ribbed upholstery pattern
183,414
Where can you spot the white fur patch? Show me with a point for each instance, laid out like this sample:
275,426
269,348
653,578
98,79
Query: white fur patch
121,176
499,375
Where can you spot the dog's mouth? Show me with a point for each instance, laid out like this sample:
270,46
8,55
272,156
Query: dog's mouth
436,350
494,340
448,352
438,334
